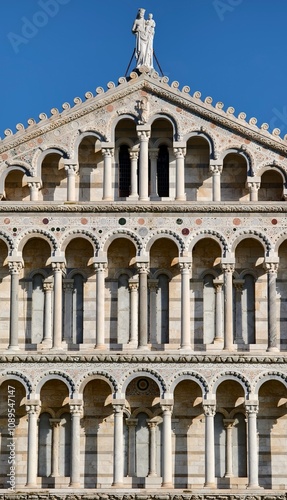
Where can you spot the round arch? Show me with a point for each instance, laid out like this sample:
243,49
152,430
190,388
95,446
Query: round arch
52,375
250,234
36,233
97,375
203,135
204,234
227,376
170,235
244,154
19,377
41,154
165,116
116,119
152,374
122,233
80,136
269,377
78,233
194,377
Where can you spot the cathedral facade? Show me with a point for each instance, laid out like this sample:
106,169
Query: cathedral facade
143,289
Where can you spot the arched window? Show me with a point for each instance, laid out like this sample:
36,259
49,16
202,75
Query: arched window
163,172
124,171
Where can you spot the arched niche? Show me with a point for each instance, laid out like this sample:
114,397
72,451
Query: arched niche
54,179
281,286
198,180
98,428
90,178
125,138
271,426
15,187
271,186
189,430
233,178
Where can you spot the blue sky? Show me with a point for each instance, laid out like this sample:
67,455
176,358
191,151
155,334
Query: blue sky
232,50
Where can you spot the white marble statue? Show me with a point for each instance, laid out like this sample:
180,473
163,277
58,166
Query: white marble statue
144,31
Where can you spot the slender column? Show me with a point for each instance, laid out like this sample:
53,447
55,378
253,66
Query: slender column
108,153
179,179
34,190
218,284
131,423
185,268
48,289
153,288
153,154
167,480
118,445
133,287
134,155
252,410
14,269
143,311
228,270
253,186
209,412
152,448
58,268
68,287
72,170
33,410
144,136
76,411
55,424
100,304
216,171
228,424
272,269
238,310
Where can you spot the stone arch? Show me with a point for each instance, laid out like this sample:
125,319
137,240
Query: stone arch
264,167
41,154
248,271
36,233
165,233
114,121
122,233
230,375
93,375
71,274
208,233
54,374
161,141
43,273
269,376
279,240
207,272
20,377
142,409
79,136
132,374
24,168
210,139
8,242
124,140
161,271
246,155
194,377
79,233
256,235
164,115
121,271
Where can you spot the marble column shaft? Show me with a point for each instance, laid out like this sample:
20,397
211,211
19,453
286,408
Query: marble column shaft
209,412
100,304
14,269
185,268
228,424
75,478
108,153
143,304
228,270
251,411
134,155
167,479
118,474
72,170
144,136
216,171
272,269
32,448
58,268
133,287
180,153
132,423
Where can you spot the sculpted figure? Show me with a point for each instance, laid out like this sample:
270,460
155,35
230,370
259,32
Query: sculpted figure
144,31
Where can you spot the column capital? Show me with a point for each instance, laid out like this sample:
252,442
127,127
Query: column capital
34,184
153,153
271,267
167,406
228,423
238,284
179,152
71,168
143,135
107,151
143,267
216,168
15,266
251,408
153,284
133,284
48,285
68,284
218,284
76,408
118,408
33,408
55,422
228,267
58,266
131,422
209,409
134,154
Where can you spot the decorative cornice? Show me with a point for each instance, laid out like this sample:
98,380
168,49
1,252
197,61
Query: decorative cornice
153,207
159,87
128,494
144,358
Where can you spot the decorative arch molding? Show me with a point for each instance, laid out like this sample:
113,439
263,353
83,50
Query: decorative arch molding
280,168
189,375
36,233
227,376
43,273
158,272
223,412
8,241
279,239
50,411
207,233
41,154
250,161
122,233
168,116
80,136
125,141
20,377
256,235
205,134
165,233
146,372
116,119
72,273
208,272
96,375
51,375
121,271
25,169
79,233
268,377
235,411
142,409
162,141
248,271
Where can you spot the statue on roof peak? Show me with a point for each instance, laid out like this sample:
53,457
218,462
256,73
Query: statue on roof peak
144,30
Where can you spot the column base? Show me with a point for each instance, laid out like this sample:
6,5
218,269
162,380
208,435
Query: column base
209,485
273,349
75,485
167,485
100,346
31,485
13,348
185,348
117,485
